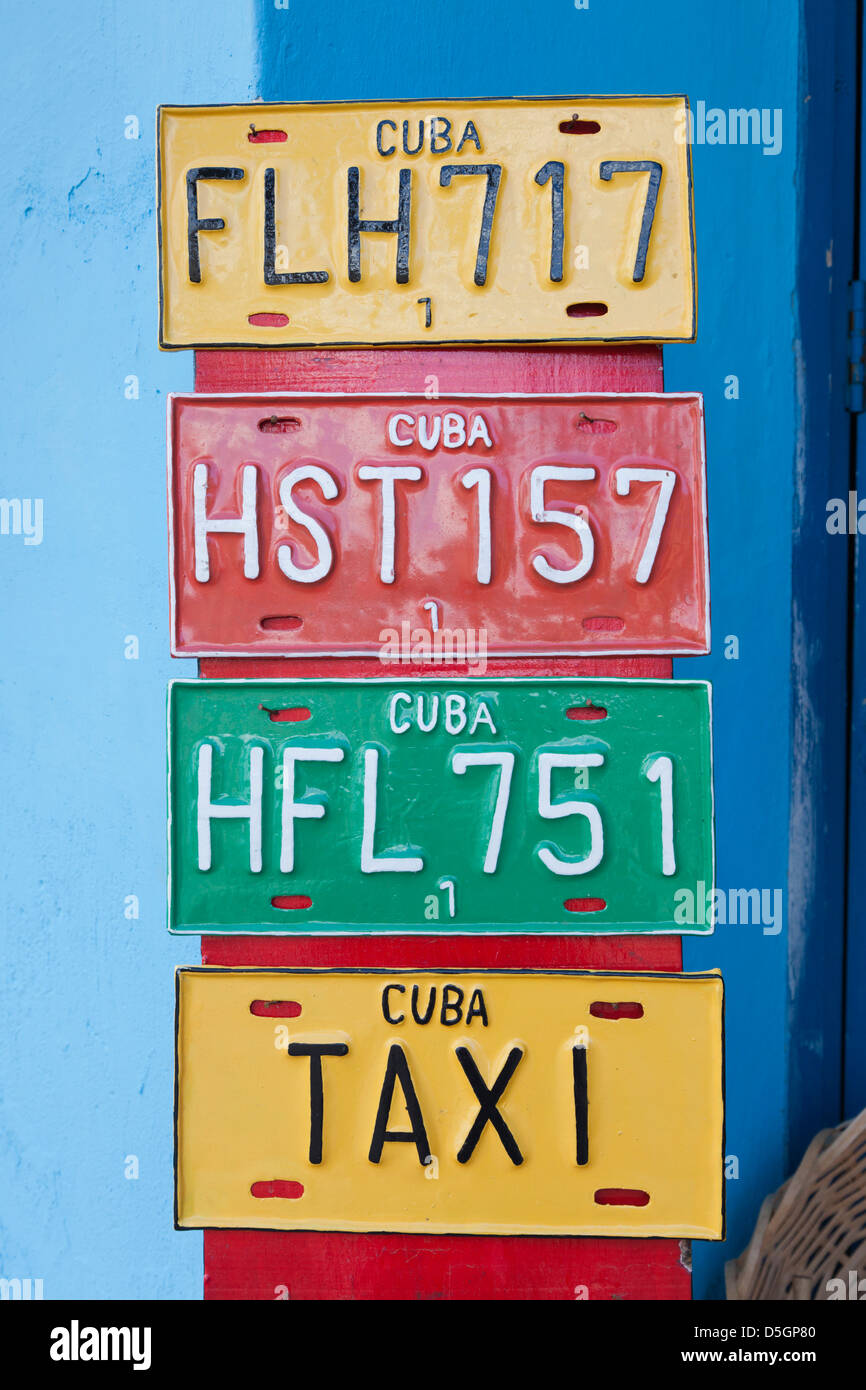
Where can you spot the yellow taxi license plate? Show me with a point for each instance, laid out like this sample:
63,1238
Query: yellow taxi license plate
511,1102
554,220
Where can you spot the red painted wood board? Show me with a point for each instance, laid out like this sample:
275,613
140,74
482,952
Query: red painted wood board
262,1264
624,368
283,668
432,952
270,1265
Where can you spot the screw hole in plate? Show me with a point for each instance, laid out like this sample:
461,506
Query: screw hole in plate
588,424
273,320
279,424
601,1008
578,127
277,1187
587,711
275,1008
291,902
585,904
295,715
587,309
621,1197
288,622
266,137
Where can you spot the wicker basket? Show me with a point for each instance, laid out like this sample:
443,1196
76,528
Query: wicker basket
813,1230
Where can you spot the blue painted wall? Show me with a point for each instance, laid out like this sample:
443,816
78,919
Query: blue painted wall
86,994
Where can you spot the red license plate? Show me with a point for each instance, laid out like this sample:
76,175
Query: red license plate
421,528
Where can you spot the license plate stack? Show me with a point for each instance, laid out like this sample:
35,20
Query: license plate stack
436,807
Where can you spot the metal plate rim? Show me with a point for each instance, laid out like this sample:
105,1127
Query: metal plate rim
164,108
704,931
183,652
714,973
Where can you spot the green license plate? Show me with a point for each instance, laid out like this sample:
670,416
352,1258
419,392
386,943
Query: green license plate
438,806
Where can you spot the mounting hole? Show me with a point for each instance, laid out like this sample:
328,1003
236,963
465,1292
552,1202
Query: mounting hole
288,622
587,711
272,320
295,715
587,309
604,1009
279,424
578,127
589,425
275,1008
621,1197
277,1187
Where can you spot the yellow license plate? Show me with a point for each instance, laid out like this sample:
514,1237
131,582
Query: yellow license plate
555,220
521,1103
